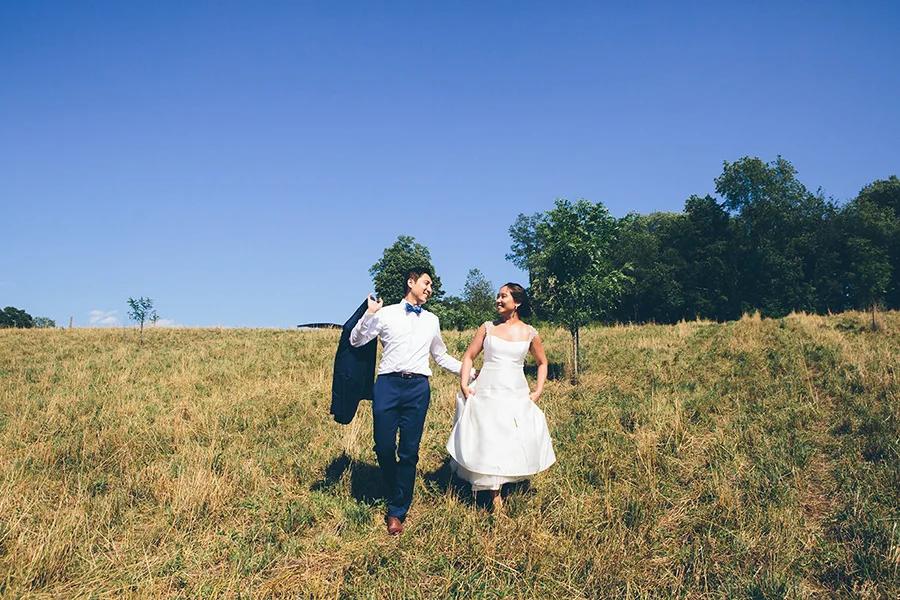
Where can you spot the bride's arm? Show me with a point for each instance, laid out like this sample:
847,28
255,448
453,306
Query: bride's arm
537,351
469,357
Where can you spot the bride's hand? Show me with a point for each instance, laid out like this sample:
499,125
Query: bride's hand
534,396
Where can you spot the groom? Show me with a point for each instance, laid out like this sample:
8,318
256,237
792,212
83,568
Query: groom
401,395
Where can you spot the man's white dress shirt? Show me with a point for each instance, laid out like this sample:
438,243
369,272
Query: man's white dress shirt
407,339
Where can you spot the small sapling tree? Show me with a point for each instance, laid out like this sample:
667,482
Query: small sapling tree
142,310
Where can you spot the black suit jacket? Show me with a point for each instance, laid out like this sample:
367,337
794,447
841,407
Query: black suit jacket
354,372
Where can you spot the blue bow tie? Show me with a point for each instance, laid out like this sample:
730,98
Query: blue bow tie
416,309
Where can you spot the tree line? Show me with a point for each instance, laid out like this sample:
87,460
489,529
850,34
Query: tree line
766,244
12,317
769,245
141,310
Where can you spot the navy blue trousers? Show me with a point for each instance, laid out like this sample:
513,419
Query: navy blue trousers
399,405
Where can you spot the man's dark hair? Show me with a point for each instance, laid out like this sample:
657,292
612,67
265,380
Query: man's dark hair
415,274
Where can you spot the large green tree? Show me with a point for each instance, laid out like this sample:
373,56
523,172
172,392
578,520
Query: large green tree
681,264
15,317
453,313
480,297
474,307
567,253
870,236
778,222
644,250
706,248
389,274
881,199
884,193
44,322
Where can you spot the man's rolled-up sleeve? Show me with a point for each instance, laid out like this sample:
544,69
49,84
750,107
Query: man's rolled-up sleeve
439,353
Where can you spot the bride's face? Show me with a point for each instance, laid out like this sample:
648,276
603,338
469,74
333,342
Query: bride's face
505,303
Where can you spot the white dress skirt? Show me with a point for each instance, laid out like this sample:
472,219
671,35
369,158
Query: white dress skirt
499,435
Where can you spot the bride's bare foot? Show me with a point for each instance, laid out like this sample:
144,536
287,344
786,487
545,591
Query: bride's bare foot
497,500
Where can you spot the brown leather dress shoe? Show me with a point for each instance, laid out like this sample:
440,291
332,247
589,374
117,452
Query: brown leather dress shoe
394,526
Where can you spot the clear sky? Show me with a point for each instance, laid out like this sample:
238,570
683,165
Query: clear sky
245,163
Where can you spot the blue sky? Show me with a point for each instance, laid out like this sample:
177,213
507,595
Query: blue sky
244,164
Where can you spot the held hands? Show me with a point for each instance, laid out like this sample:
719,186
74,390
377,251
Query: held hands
464,387
374,305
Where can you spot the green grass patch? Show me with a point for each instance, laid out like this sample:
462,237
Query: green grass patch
751,459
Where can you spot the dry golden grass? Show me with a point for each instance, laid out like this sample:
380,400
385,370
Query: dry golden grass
755,459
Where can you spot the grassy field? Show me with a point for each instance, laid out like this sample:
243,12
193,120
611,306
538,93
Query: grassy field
753,459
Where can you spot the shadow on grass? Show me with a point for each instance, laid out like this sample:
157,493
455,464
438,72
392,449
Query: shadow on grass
366,484
443,481
555,371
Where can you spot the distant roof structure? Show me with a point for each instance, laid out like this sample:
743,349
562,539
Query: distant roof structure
319,326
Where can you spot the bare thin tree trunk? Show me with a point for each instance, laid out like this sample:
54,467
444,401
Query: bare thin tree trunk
575,346
142,333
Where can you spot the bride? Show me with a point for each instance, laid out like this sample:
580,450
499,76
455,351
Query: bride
499,434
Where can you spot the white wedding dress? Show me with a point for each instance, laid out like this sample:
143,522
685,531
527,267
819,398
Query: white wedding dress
499,435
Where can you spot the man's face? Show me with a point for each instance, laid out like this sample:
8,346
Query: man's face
420,289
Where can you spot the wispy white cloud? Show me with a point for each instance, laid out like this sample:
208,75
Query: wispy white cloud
166,323
104,318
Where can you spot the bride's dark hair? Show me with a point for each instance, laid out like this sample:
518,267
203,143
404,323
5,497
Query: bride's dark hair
521,298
